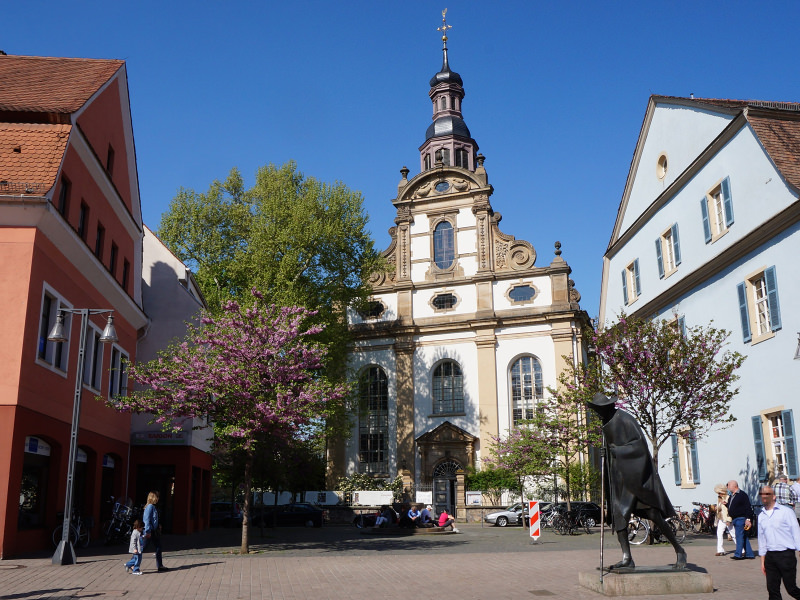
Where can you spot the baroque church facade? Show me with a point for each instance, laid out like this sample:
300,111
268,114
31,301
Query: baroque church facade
465,332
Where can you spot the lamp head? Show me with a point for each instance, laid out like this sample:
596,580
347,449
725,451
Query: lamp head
58,334
109,333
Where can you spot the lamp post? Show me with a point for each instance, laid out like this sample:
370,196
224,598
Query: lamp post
65,553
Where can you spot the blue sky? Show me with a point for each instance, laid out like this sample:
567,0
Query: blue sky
555,92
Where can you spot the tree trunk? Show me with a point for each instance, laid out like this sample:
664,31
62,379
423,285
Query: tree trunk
248,484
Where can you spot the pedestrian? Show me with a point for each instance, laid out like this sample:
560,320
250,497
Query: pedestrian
413,514
796,489
152,528
426,516
784,494
778,540
741,513
135,548
446,520
723,519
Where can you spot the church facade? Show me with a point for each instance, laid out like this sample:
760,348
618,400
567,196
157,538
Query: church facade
466,330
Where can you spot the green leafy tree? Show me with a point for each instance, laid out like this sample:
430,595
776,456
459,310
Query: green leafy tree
491,481
670,381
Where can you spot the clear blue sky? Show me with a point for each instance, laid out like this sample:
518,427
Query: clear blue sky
555,92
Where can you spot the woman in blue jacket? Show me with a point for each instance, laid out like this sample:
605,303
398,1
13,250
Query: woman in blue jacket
152,530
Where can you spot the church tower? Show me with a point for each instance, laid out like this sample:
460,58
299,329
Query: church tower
464,333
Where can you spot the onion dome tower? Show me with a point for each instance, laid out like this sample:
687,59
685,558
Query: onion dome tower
447,140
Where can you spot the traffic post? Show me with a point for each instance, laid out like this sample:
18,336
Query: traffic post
534,520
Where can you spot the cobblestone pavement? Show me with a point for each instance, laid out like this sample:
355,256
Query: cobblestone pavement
338,562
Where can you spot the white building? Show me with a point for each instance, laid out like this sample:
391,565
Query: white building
466,333
707,230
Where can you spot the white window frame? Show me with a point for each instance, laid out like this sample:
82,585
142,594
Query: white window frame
686,468
717,210
759,305
93,359
632,284
53,349
668,251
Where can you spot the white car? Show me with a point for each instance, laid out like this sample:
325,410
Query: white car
511,514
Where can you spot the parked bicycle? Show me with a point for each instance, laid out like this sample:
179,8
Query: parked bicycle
79,534
639,530
569,522
702,519
120,526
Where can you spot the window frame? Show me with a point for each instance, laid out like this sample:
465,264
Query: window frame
767,466
532,381
54,352
631,282
668,251
454,405
93,359
120,360
753,306
685,459
716,209
438,245
373,421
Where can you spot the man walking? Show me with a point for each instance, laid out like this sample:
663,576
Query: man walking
741,512
796,489
778,540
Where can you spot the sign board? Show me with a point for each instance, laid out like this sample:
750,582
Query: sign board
373,497
159,438
424,497
34,445
474,497
534,518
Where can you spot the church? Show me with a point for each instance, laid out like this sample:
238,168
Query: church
464,332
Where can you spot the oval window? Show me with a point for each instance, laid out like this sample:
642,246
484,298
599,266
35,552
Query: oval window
444,301
522,293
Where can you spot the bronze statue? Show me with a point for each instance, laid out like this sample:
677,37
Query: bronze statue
633,485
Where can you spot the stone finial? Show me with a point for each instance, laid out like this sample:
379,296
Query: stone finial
404,172
481,158
558,248
404,181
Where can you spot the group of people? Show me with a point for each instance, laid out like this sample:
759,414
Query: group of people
417,515
778,530
146,532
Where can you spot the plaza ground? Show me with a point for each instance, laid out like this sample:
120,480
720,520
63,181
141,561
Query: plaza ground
481,562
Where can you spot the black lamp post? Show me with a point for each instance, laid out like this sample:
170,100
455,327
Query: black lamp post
65,553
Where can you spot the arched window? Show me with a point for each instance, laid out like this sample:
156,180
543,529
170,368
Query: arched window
443,103
427,161
448,388
373,428
526,387
444,251
446,156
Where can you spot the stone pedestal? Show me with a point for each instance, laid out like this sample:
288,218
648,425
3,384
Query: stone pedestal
647,581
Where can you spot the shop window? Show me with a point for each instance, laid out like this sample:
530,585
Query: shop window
33,491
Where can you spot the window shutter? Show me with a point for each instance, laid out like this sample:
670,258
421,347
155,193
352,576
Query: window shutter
636,277
771,281
676,242
761,455
706,224
791,445
675,462
625,286
658,257
682,325
692,440
743,313
726,198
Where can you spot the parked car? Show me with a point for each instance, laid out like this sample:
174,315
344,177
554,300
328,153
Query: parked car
225,514
299,513
510,515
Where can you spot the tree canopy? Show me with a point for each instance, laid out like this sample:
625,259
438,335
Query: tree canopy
255,372
669,379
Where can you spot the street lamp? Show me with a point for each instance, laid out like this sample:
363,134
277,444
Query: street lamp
65,553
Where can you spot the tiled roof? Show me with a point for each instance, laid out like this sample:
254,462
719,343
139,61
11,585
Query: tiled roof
730,103
52,85
781,139
30,155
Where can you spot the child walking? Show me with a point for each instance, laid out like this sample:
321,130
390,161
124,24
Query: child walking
135,549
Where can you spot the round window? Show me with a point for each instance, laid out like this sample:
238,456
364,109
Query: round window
661,166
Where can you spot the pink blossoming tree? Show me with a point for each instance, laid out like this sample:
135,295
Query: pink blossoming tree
670,380
254,372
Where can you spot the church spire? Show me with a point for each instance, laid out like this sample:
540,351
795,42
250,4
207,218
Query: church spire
447,139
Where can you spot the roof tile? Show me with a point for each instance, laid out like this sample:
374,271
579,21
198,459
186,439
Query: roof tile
52,85
30,156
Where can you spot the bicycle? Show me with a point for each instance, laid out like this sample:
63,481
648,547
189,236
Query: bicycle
639,530
677,527
572,520
79,531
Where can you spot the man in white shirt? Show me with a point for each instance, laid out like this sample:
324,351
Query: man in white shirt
796,489
778,540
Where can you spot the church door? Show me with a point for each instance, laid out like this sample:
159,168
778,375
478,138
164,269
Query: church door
444,486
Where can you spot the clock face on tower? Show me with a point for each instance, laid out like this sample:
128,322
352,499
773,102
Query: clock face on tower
442,186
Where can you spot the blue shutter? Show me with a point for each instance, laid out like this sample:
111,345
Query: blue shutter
658,257
743,313
682,325
675,462
692,440
636,277
728,202
677,244
706,224
791,446
761,455
625,285
771,281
